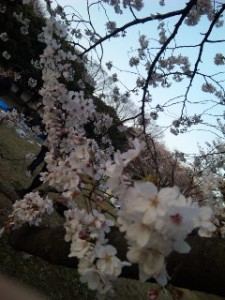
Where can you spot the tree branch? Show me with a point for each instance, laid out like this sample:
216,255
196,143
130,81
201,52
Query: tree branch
134,23
205,39
183,13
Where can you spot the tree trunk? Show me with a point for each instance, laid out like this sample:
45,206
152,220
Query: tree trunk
202,269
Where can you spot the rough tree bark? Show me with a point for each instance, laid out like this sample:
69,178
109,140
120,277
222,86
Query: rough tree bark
202,269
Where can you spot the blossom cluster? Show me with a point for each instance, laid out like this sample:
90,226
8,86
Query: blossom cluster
155,222
10,116
65,114
29,210
203,7
137,4
172,61
219,59
98,263
145,212
184,123
76,164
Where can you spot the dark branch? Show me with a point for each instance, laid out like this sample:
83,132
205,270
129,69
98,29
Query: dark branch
134,23
205,39
184,14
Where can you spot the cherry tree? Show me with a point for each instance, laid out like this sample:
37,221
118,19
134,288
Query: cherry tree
155,218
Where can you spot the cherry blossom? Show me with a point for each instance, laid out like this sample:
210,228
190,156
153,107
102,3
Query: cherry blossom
155,221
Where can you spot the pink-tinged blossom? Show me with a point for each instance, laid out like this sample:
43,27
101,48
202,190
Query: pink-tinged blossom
139,232
219,59
151,262
79,248
107,262
100,222
152,294
204,222
156,223
92,278
30,209
10,116
131,154
117,180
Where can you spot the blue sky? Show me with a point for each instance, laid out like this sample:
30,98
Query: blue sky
118,50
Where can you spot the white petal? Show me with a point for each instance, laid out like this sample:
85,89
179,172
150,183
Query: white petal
92,278
181,247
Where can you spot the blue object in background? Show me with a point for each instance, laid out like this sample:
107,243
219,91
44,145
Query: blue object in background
42,137
4,106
